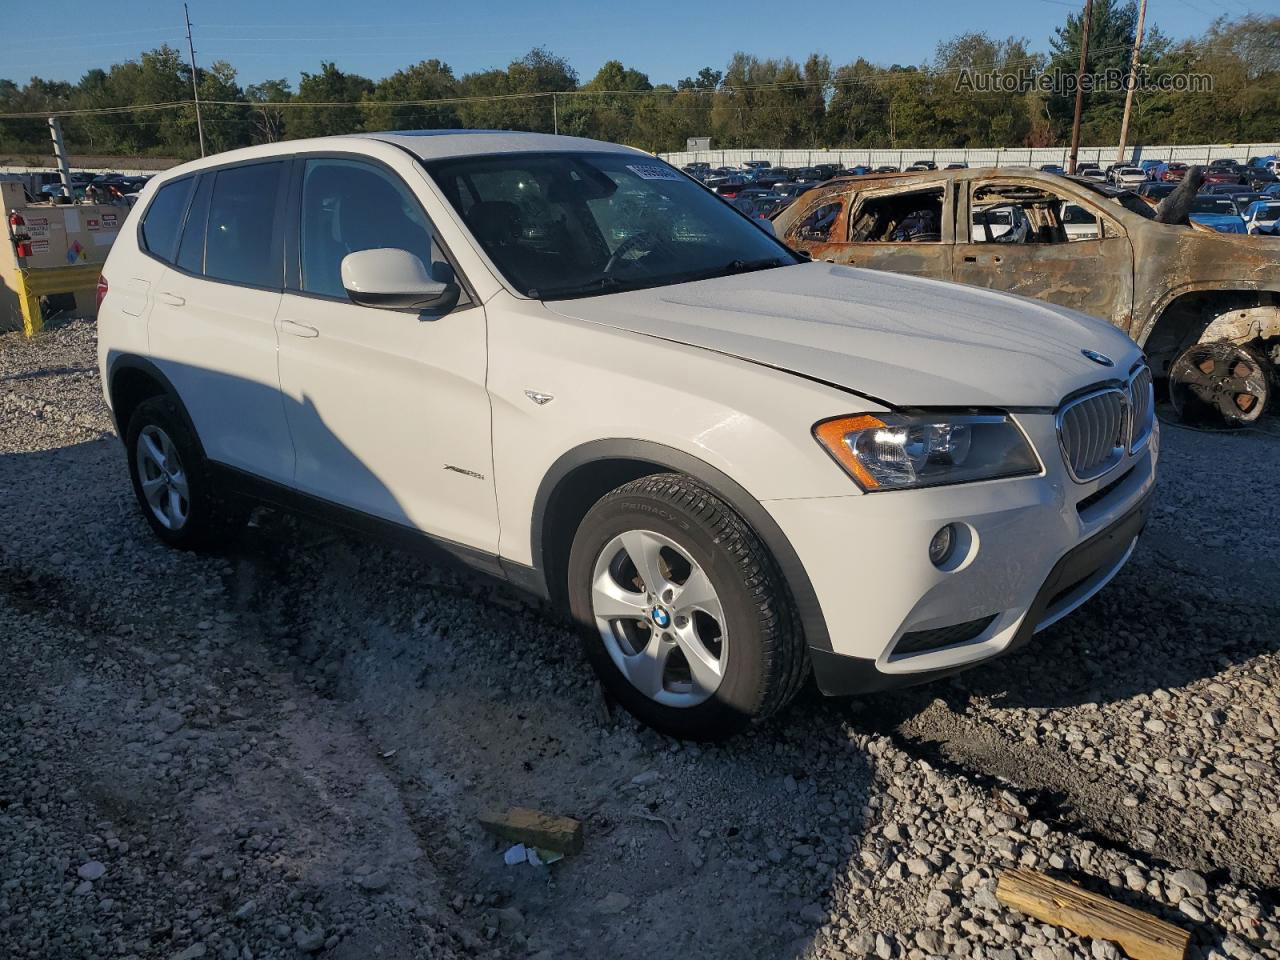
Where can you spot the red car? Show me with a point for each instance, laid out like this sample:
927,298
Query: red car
1171,171
1222,175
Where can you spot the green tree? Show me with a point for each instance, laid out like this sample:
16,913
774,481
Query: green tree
427,80
329,86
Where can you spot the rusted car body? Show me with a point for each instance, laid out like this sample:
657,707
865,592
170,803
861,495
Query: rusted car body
1169,286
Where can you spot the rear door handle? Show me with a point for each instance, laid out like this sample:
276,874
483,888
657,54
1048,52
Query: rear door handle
298,329
970,259
170,298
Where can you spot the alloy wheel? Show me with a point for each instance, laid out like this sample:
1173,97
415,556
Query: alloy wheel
162,477
660,618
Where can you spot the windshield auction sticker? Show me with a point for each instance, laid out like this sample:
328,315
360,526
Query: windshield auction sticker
652,171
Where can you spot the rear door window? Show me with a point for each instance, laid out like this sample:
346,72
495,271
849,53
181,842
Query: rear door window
240,239
163,218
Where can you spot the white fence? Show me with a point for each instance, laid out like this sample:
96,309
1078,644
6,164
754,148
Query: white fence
978,157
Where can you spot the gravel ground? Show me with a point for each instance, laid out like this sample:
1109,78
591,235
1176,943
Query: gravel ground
283,753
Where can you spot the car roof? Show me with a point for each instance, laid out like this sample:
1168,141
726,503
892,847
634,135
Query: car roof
424,144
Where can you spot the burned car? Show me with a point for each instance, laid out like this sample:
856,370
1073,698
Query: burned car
1205,306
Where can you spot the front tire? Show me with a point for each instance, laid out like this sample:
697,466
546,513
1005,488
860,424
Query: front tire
1219,383
682,610
172,481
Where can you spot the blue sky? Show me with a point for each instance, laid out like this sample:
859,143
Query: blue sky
666,39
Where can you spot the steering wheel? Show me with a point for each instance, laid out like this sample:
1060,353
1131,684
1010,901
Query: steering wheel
625,247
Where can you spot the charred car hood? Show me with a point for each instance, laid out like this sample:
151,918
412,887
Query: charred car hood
900,339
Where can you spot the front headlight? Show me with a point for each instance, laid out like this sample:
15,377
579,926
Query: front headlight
889,451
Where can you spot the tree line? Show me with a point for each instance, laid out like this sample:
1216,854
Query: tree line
752,102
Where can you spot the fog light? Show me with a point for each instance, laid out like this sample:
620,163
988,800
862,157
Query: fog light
941,545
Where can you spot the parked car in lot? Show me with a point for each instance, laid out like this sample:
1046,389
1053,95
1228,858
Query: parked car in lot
794,188
1224,189
1156,190
1172,287
1149,166
1261,216
1243,200
1223,174
1170,170
677,436
1217,213
1051,168
1127,176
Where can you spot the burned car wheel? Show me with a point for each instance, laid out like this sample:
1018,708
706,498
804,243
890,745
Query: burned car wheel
1216,383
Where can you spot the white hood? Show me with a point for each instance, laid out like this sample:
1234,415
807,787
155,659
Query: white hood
901,339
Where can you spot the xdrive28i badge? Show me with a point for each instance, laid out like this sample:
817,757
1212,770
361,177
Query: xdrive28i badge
1099,358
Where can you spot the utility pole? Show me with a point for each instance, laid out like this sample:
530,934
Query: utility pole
60,156
1084,56
195,87
1133,80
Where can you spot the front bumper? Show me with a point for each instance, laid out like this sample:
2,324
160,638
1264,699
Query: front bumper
1073,580
1035,548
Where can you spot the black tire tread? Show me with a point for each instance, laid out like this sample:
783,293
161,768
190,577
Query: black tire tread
785,656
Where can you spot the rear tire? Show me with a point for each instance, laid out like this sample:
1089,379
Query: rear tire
173,483
707,642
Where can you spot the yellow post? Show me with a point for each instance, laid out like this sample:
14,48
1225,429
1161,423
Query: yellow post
32,318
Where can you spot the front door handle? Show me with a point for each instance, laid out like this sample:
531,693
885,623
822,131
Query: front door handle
299,329
171,298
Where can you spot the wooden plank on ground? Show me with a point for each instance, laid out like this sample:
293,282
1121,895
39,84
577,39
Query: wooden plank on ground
535,829
1140,935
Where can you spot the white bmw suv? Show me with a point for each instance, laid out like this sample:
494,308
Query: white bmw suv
569,365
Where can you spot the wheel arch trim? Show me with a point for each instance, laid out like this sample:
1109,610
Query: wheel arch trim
117,363
664,458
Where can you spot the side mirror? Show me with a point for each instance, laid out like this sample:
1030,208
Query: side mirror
394,279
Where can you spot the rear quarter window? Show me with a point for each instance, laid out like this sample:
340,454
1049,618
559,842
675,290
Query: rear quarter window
163,219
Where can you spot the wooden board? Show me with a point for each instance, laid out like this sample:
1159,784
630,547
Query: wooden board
535,829
1140,935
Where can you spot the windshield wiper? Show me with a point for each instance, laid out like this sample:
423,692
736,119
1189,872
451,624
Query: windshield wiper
747,266
742,266
611,284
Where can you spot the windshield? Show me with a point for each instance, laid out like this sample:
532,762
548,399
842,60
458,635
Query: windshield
562,225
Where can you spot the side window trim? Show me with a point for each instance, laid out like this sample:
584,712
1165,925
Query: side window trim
292,219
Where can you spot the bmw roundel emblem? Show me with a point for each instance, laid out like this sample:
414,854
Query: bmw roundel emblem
661,618
1099,358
